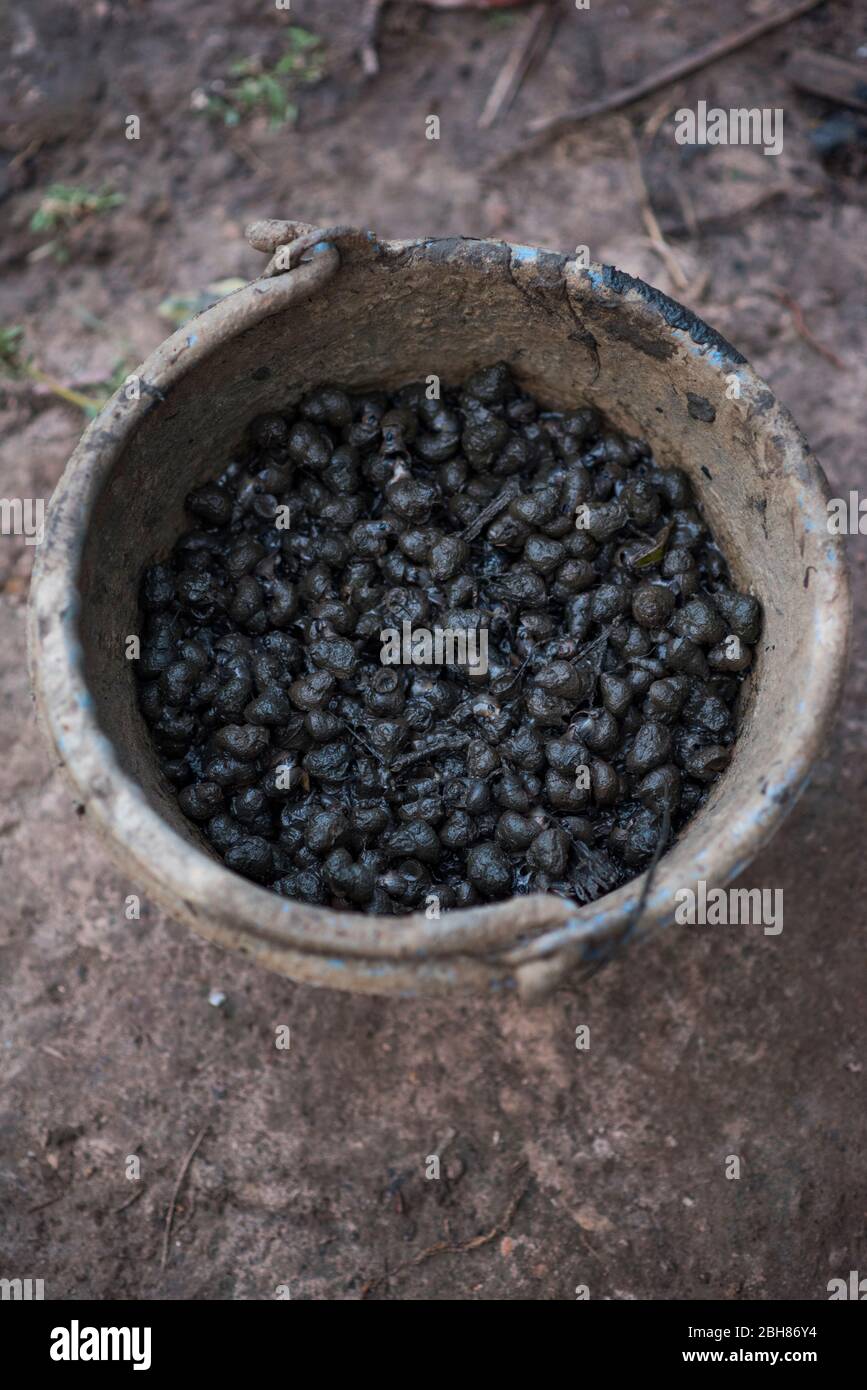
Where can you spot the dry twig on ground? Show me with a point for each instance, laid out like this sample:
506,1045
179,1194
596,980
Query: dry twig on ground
461,1247
530,45
549,128
803,330
179,1181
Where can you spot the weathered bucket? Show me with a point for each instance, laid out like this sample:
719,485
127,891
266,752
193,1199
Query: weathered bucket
339,305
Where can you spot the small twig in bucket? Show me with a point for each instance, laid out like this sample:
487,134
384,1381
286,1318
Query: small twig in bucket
636,915
539,977
493,509
438,744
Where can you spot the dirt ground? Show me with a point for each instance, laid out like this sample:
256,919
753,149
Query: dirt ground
311,1170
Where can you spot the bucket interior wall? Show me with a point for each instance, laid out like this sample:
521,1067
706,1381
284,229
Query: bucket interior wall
386,324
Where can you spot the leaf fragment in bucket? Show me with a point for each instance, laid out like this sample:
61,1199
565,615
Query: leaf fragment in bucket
656,553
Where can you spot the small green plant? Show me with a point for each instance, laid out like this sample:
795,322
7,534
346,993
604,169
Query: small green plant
63,205
11,344
16,365
501,19
256,89
61,208
113,382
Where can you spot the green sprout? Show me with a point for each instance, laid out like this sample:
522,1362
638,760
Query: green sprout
114,381
11,345
61,207
15,365
501,19
255,88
